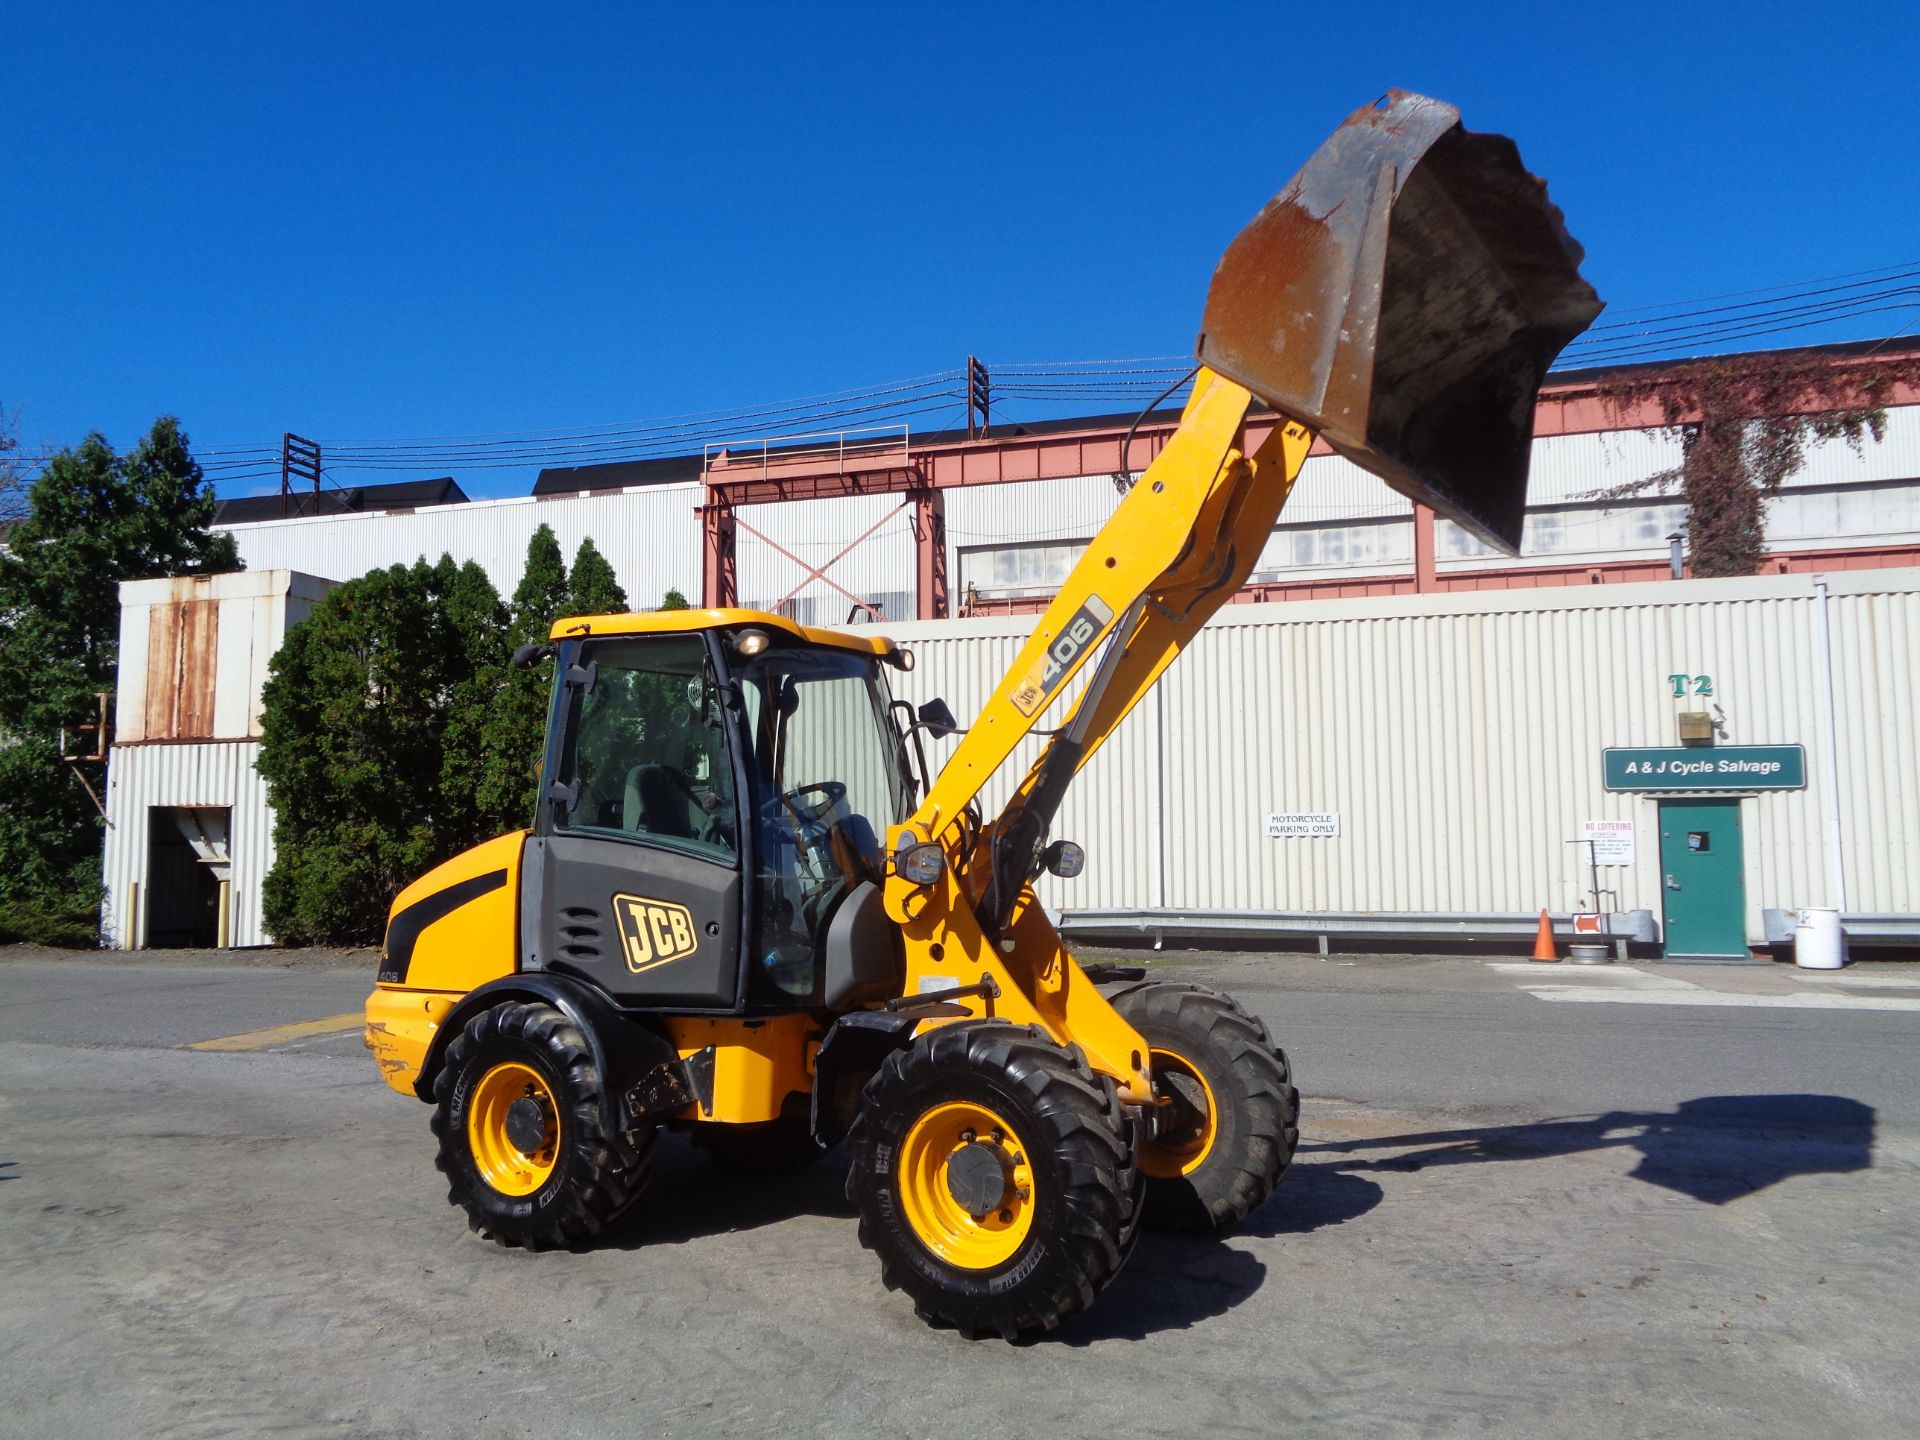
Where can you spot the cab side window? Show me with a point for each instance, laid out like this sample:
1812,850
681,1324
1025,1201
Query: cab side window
646,754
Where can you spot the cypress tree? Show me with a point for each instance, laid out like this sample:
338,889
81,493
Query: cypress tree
595,590
516,723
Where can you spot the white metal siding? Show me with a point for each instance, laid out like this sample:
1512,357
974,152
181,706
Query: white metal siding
650,535
141,777
1876,663
1459,738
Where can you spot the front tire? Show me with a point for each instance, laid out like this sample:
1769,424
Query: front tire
523,1145
993,1172
1232,1117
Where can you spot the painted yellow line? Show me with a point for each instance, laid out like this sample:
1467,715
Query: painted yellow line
280,1034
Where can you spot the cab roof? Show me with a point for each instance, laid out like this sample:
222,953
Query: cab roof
680,622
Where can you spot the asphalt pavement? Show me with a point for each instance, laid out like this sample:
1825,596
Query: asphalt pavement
1529,1201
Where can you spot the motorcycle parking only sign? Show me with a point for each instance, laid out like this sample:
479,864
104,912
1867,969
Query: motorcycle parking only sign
1303,825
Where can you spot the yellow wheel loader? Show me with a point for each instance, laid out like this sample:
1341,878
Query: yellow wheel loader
747,910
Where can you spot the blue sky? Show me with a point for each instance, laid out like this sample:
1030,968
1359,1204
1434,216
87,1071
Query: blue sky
367,221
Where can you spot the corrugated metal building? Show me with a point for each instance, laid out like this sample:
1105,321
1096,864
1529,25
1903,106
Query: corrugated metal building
190,838
1456,743
1433,760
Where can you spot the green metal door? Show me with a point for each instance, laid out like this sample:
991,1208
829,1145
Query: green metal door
1700,870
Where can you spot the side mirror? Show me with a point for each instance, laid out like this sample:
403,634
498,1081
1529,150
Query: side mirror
937,717
525,657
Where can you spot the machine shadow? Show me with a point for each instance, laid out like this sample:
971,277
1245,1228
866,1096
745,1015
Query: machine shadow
1715,1149
1174,1282
1171,1283
689,1197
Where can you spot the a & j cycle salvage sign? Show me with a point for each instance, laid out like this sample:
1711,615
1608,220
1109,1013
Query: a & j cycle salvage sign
1720,767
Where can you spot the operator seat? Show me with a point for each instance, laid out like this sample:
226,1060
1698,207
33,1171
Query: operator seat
659,801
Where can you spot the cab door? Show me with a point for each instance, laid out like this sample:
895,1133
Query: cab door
635,860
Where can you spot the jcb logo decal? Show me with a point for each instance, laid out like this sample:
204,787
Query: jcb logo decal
653,932
1062,655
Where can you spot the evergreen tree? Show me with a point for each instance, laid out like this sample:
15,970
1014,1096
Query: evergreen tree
475,632
595,590
541,595
516,725
371,744
93,519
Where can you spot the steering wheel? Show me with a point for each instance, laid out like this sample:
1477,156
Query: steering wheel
796,804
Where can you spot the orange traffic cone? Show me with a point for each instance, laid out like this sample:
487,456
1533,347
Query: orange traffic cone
1543,941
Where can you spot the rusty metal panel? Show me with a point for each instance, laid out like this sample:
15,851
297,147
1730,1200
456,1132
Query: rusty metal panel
197,661
180,670
163,672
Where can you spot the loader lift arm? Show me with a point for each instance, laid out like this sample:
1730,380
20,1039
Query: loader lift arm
1401,298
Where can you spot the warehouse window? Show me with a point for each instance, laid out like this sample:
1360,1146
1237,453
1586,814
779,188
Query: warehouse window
1040,568
1573,530
1372,543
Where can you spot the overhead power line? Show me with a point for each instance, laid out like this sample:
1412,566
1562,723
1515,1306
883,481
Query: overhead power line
1044,389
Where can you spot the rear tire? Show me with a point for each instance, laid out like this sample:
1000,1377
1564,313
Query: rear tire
1233,1087
994,1175
523,1144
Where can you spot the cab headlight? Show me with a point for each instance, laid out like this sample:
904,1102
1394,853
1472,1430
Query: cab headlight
922,864
1063,858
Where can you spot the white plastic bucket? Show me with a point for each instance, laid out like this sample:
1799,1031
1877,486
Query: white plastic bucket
1818,943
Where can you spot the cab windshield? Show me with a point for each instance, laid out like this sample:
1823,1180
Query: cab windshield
829,775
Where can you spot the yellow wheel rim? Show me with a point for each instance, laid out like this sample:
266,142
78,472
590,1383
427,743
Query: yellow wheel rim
963,1152
1177,1155
497,1134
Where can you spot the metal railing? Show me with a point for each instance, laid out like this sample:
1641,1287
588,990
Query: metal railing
771,450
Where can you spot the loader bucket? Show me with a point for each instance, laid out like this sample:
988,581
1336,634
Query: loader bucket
1404,296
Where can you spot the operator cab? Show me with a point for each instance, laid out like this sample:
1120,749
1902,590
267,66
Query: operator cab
720,783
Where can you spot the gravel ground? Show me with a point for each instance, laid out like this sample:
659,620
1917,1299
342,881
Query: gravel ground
1714,1238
